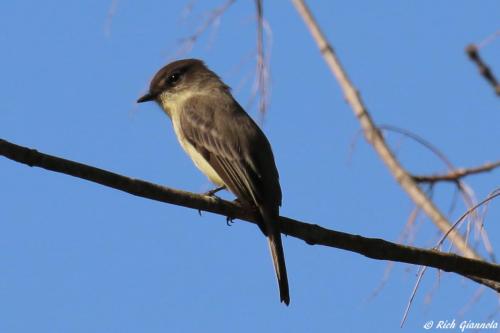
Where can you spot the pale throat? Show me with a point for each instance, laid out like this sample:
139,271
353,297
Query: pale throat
172,103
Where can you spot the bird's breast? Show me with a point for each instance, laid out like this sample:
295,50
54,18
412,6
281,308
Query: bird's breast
197,158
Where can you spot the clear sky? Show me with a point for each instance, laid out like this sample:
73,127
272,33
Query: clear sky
79,257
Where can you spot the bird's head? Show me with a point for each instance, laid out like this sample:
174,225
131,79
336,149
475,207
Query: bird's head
180,79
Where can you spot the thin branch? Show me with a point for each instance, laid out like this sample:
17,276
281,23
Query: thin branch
456,174
261,89
477,270
402,239
436,151
109,19
488,39
188,42
484,236
485,71
422,269
262,70
466,192
472,301
493,195
464,189
373,135
420,275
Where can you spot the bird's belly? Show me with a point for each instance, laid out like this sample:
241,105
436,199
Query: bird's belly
198,160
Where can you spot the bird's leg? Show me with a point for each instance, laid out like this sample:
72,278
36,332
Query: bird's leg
211,193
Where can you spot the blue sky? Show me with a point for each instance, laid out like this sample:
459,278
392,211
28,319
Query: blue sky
79,257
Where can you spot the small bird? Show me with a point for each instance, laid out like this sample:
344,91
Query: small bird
224,143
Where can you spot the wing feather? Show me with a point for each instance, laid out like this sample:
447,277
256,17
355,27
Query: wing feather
234,146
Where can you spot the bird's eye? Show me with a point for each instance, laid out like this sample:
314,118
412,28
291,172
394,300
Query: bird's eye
173,78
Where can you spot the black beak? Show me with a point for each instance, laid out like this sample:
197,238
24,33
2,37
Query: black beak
146,98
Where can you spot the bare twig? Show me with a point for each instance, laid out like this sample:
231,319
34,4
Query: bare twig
188,42
464,189
187,10
488,39
420,140
484,236
472,301
109,19
373,135
422,269
477,270
420,275
404,238
261,59
485,71
456,174
493,195
261,87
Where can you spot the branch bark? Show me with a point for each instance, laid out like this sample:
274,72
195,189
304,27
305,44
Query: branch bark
477,270
374,136
485,71
456,174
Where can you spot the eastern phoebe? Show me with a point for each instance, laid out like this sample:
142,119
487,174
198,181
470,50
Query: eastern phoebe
224,143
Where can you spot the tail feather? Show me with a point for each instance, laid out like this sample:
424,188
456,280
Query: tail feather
278,256
279,266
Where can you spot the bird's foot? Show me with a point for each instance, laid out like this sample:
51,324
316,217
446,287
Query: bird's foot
229,221
211,193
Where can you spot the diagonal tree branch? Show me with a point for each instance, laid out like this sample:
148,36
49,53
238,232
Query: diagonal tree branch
456,174
477,270
464,189
375,138
485,71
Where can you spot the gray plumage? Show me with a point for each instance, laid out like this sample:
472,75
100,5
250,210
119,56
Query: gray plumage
224,143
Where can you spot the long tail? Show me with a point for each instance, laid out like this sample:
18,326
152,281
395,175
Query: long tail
276,248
